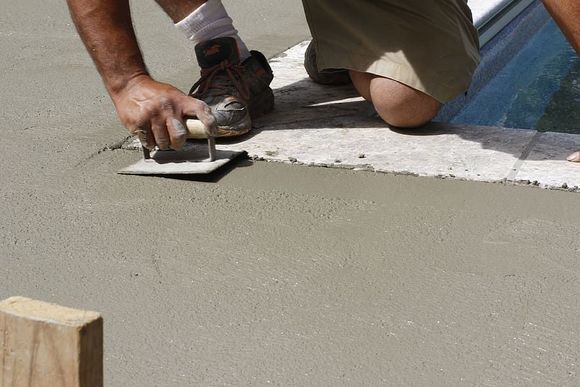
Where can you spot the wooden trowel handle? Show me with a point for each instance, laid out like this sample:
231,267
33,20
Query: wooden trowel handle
196,129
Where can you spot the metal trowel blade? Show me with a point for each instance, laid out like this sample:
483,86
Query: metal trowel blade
192,159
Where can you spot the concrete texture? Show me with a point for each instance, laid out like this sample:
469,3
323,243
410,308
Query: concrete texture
269,274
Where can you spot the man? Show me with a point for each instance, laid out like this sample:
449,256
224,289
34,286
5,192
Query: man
153,110
405,57
418,56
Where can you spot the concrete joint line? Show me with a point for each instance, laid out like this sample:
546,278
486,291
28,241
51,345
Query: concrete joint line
511,177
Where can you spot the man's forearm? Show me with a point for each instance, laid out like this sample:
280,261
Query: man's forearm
567,14
106,29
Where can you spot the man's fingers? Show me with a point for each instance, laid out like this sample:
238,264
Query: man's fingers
574,157
159,129
160,122
177,133
145,136
199,109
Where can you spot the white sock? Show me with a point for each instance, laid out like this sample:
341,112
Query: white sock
211,21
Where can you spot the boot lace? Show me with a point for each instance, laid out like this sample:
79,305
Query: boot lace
217,80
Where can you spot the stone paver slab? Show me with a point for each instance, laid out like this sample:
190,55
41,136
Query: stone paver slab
547,164
475,153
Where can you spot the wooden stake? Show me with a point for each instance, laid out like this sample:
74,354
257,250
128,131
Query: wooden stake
47,345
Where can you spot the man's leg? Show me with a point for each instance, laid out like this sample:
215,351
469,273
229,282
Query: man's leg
405,56
234,82
566,13
203,20
177,10
397,104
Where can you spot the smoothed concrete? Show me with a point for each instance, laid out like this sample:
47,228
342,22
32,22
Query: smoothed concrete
273,274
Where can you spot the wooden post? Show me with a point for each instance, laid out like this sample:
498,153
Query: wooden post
47,345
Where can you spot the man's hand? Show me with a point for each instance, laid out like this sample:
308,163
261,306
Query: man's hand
155,112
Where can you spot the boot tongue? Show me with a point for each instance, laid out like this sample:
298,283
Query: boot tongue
215,51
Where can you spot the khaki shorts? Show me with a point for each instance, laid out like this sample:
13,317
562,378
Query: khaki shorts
429,45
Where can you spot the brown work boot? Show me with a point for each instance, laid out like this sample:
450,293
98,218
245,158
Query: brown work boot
326,76
236,92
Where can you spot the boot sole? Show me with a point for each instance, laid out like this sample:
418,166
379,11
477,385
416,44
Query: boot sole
262,104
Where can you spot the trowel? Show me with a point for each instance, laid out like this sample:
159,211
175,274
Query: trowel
191,159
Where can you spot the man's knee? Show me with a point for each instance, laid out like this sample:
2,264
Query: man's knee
403,107
407,112
398,104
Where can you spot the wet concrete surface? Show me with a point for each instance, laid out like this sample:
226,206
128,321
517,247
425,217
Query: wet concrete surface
270,274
